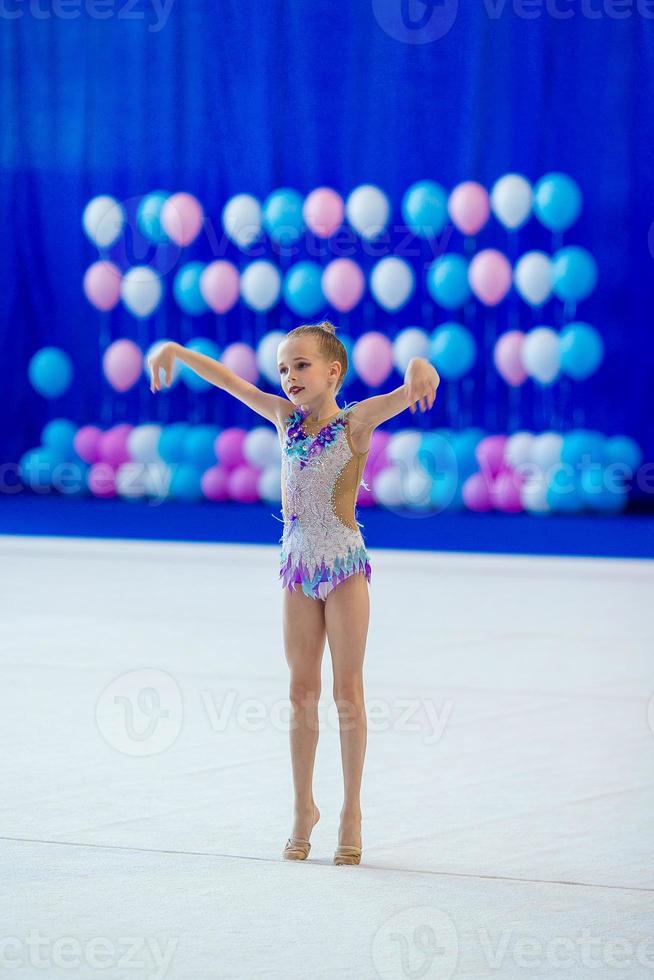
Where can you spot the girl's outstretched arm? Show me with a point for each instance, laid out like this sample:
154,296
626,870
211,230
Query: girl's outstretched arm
271,407
421,380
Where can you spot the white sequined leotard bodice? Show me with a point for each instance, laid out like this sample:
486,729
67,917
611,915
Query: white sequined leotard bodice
321,473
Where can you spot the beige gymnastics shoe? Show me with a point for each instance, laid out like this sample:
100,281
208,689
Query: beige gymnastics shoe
347,854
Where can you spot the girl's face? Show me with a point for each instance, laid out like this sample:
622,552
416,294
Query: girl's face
303,374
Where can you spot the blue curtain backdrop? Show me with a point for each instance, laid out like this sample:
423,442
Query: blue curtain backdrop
222,98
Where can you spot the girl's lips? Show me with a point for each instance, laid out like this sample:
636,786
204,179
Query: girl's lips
294,391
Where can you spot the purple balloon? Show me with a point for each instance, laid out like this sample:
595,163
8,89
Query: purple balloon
101,480
505,492
490,455
214,483
476,493
229,447
86,443
113,445
242,484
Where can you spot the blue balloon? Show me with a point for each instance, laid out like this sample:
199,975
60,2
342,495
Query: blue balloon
424,208
185,483
36,468
58,436
50,372
582,350
148,217
564,494
282,215
574,273
302,288
199,446
203,346
172,441
436,453
447,281
464,444
453,350
557,201
186,288
622,449
582,447
600,495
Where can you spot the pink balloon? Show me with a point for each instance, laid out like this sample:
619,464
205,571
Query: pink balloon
229,447
507,357
242,484
214,483
343,284
469,207
505,492
122,363
490,455
181,218
101,480
242,360
490,276
113,445
86,443
476,493
220,285
323,211
373,357
102,285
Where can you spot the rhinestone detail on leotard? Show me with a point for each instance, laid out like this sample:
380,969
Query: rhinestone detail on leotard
318,549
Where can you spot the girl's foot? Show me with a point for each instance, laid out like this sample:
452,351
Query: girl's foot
349,831
304,822
297,846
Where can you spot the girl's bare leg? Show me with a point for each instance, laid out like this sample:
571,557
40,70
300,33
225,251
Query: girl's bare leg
304,644
347,614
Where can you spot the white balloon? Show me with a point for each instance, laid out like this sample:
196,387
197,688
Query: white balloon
368,210
532,277
540,354
103,220
411,342
141,290
416,486
143,443
261,284
242,218
157,478
546,450
511,200
533,495
392,282
269,485
517,448
266,356
131,480
403,446
387,487
261,447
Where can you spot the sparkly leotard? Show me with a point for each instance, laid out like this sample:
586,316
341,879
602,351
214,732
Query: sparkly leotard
321,473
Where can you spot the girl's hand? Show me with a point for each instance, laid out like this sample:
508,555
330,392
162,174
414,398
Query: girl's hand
422,380
163,358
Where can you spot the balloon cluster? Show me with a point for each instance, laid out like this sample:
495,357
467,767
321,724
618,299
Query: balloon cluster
543,354
285,216
552,472
422,472
178,461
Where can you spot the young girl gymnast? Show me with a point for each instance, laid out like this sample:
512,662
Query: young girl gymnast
324,565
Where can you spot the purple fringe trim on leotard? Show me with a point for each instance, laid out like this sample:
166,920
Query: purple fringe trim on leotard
320,582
